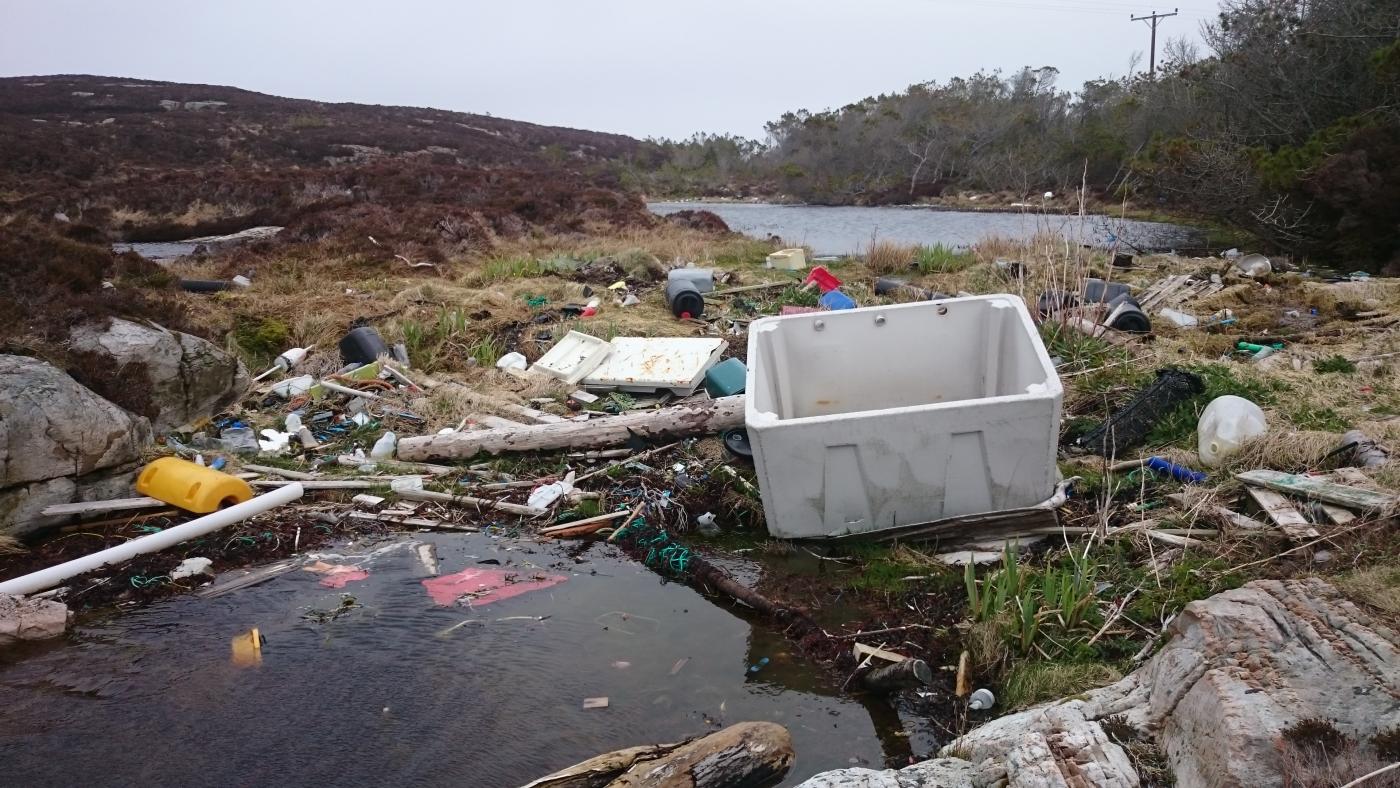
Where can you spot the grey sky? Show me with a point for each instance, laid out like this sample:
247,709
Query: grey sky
653,68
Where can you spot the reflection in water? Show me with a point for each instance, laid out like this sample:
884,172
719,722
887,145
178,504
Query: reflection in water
848,230
401,691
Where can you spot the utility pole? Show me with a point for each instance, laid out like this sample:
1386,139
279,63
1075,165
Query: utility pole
1152,20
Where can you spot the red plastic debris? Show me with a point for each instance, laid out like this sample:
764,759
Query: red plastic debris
485,586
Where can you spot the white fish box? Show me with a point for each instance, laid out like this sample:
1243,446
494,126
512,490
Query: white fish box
647,364
868,419
787,260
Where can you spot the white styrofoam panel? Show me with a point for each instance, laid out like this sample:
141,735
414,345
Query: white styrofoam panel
656,363
882,417
573,357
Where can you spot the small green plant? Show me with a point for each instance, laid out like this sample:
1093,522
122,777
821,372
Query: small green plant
940,259
1334,364
1045,616
486,351
1310,418
500,268
452,322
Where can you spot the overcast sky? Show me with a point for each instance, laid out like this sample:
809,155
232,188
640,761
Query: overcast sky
658,68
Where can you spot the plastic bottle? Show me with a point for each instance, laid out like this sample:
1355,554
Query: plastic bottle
1178,472
286,361
1226,423
981,700
384,447
240,440
294,423
702,278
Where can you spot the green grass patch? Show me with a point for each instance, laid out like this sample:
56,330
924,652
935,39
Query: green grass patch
1308,417
1029,683
940,259
262,338
502,268
1334,364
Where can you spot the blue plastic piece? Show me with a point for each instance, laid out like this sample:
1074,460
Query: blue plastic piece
837,300
218,463
1176,471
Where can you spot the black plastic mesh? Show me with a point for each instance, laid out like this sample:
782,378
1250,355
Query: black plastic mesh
1130,424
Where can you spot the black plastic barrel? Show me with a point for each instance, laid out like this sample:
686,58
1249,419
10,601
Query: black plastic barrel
684,298
362,345
1131,318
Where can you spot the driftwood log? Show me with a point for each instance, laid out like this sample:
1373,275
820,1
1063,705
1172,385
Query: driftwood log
688,419
746,755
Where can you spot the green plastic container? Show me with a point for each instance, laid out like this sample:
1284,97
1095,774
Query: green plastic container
726,378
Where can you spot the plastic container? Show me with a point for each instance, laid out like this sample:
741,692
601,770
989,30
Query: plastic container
1226,423
726,378
191,487
362,345
1182,319
238,439
684,298
836,299
1097,291
787,260
384,447
702,278
868,419
1126,315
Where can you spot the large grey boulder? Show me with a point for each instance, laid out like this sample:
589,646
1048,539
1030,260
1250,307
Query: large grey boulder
188,377
50,426
21,506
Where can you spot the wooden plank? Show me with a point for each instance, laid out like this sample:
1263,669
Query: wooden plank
601,521
748,288
467,500
100,507
283,472
1313,488
862,651
1337,514
348,484
1280,510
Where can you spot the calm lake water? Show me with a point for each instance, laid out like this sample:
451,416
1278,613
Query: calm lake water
401,691
847,230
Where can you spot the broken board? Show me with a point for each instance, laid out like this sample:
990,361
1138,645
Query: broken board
645,364
1280,510
1317,489
573,357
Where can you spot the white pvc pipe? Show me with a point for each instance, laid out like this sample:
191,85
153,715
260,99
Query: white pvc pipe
54,575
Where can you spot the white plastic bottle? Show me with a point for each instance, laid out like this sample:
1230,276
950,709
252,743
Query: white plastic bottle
294,423
1226,423
384,447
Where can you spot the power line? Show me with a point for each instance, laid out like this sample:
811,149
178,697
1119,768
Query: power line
1154,19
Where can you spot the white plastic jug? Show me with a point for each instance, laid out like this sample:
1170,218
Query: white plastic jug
1226,423
384,447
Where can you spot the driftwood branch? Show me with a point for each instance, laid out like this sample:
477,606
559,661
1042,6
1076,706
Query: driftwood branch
691,418
746,754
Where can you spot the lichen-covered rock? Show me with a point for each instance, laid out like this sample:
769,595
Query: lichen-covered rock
50,426
31,619
188,378
937,773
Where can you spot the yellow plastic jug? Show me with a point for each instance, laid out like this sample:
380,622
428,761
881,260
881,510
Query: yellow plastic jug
191,487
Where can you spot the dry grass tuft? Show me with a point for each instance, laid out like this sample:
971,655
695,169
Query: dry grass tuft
9,545
888,257
1377,586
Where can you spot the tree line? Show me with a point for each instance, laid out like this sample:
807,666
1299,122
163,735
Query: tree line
1285,124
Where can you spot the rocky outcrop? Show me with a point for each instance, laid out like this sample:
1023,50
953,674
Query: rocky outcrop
50,426
187,377
59,443
31,619
1239,669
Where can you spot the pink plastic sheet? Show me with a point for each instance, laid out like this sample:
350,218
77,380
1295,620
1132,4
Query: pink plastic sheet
485,586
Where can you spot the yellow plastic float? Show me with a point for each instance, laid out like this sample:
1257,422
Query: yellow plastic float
194,488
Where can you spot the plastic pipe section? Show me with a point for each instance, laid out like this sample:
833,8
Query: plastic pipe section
54,575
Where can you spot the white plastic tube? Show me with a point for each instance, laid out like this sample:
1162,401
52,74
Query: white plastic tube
54,575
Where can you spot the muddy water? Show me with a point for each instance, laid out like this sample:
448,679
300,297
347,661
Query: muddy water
848,230
400,691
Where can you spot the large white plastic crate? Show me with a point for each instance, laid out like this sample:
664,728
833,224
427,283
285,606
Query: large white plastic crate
868,419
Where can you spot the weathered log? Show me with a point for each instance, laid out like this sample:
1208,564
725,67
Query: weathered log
708,416
898,676
746,755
